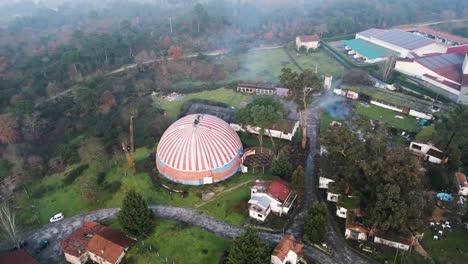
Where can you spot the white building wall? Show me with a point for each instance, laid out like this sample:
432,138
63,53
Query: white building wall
74,260
258,216
463,190
308,45
361,236
432,48
341,212
389,243
323,182
332,197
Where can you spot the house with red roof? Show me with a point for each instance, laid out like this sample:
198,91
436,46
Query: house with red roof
273,195
19,256
96,242
288,250
308,41
462,184
354,229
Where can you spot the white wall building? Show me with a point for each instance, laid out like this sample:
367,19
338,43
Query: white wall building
309,41
285,129
428,152
403,245
462,184
323,182
356,232
274,195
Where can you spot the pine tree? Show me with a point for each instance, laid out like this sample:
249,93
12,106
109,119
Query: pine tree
315,227
298,179
281,166
249,248
135,216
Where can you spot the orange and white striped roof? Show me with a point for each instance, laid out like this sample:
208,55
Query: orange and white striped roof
189,145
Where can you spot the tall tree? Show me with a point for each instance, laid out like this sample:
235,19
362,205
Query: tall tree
315,229
93,152
249,248
300,87
386,67
281,166
135,216
201,16
298,179
32,126
9,225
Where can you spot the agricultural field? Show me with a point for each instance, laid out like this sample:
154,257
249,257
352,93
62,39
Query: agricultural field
325,64
409,123
223,95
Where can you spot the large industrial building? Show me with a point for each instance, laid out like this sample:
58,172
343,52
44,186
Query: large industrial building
199,149
446,74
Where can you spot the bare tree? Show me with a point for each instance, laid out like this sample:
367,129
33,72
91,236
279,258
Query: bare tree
385,68
8,224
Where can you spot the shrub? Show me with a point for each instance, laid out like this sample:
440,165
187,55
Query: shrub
114,186
73,174
101,177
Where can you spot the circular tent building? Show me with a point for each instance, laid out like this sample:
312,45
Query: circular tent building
199,149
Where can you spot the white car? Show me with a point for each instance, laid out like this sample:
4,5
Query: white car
56,218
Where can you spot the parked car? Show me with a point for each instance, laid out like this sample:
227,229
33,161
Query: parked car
56,218
42,246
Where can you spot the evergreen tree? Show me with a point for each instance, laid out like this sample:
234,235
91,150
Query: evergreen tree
281,166
315,228
135,216
298,179
249,248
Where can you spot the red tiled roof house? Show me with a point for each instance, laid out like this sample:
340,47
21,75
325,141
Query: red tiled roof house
19,256
308,41
462,184
96,242
288,250
272,195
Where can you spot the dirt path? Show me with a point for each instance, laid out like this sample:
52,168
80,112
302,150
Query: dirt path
223,192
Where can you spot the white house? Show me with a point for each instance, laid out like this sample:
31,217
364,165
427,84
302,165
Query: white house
288,250
323,182
285,129
356,231
332,197
428,152
346,204
273,195
256,88
462,184
309,41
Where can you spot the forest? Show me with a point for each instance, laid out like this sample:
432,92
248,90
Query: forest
57,98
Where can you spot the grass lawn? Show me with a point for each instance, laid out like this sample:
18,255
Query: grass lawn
262,65
326,119
325,63
445,250
227,96
175,242
377,113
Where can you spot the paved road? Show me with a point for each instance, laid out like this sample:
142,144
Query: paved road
55,232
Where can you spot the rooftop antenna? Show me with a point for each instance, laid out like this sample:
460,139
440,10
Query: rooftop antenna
197,119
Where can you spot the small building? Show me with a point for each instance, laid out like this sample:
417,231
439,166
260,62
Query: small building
323,182
97,243
257,88
19,256
347,204
327,82
308,41
273,195
288,250
355,230
399,241
428,152
284,129
462,184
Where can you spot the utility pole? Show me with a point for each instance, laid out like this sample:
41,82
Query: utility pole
132,144
170,23
128,156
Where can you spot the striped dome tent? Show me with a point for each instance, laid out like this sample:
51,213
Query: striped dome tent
199,149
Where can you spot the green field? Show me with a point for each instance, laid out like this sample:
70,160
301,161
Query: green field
452,249
262,65
227,96
409,123
325,63
175,242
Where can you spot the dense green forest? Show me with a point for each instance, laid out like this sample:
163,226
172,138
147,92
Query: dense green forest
55,95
